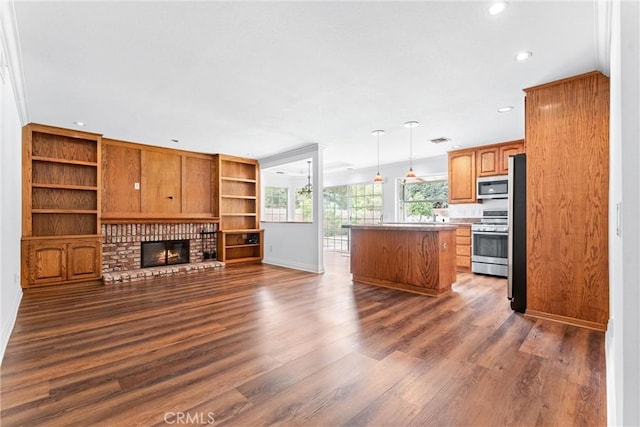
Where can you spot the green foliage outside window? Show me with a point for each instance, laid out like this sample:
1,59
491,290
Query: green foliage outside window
418,200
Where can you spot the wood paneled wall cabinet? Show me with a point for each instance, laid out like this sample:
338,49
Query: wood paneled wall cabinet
468,164
567,200
463,248
237,200
60,205
142,182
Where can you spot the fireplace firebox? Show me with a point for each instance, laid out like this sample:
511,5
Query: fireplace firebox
164,252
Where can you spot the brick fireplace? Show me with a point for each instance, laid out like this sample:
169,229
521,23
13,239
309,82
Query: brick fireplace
122,256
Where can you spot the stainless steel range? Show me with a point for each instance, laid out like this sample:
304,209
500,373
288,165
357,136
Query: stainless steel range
489,239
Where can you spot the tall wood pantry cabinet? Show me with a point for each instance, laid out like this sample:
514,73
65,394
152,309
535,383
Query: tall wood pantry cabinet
567,200
237,197
61,239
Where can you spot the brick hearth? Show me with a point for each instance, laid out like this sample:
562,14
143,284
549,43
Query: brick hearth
164,271
121,250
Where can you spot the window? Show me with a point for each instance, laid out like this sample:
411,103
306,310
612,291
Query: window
303,211
349,204
336,213
287,192
422,200
275,204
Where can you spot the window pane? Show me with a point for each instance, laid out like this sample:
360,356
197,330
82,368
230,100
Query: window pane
354,204
303,212
421,201
275,204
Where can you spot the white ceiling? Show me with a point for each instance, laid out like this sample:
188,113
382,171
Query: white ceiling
258,78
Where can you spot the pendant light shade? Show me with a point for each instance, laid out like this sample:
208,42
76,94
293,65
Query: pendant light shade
378,177
411,124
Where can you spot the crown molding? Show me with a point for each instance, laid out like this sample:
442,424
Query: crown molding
11,58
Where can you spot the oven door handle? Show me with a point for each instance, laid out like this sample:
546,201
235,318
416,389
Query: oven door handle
490,233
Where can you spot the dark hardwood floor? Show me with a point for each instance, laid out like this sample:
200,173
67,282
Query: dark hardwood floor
262,345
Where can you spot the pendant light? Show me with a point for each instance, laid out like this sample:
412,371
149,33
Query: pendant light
378,177
307,189
411,124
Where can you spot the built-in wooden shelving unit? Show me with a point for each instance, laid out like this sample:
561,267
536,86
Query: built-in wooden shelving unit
61,239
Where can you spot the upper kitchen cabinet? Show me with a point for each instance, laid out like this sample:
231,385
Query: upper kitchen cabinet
494,159
468,164
567,200
488,161
142,182
462,176
504,151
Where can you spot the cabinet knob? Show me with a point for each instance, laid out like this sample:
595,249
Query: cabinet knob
170,197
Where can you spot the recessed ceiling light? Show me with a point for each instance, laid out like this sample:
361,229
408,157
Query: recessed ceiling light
505,109
175,140
498,7
79,123
456,146
280,172
523,56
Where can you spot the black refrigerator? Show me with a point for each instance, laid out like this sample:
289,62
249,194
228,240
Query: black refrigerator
517,243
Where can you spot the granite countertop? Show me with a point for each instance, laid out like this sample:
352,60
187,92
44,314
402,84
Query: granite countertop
431,226
464,221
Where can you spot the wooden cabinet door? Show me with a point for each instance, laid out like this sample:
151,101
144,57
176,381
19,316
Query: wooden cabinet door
48,263
505,152
462,176
120,173
487,161
197,185
160,182
84,260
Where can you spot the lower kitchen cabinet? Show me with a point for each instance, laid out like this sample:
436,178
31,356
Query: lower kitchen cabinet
55,261
463,248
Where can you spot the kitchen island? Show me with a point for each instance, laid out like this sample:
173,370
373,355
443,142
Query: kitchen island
419,258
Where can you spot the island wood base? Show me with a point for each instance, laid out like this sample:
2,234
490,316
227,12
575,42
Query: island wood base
419,259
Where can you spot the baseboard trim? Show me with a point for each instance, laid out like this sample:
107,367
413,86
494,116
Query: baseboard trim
8,325
294,265
566,320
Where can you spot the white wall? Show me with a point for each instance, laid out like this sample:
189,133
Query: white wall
297,245
10,190
623,334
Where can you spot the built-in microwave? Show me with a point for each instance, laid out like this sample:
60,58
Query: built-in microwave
493,187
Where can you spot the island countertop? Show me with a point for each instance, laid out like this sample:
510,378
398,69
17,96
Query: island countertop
396,226
417,258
